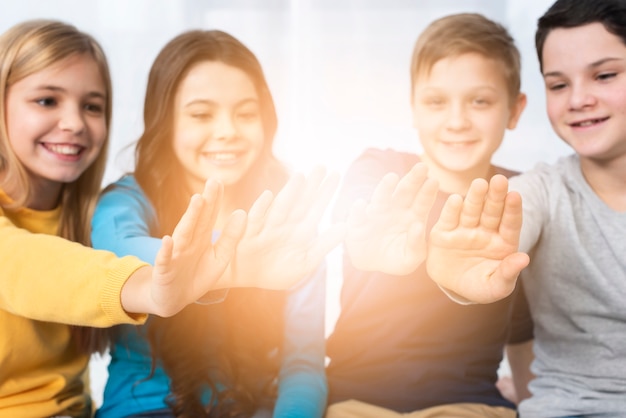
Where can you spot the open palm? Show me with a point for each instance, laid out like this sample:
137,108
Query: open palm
189,264
473,248
281,244
388,233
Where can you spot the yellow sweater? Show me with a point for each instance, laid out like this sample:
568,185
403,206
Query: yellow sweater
46,282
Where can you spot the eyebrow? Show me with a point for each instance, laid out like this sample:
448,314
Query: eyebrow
594,64
214,103
62,90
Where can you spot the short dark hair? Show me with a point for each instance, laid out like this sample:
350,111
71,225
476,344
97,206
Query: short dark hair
574,13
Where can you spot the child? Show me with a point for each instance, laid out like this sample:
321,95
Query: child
399,345
574,221
209,114
56,109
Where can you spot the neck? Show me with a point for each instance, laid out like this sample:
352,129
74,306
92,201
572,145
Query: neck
608,180
45,194
457,182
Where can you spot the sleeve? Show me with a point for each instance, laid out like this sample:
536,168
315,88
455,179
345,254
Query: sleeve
533,187
40,271
521,319
122,223
302,387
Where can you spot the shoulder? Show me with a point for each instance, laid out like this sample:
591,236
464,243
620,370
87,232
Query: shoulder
388,160
548,176
123,195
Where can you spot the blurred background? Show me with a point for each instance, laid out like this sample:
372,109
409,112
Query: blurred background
338,71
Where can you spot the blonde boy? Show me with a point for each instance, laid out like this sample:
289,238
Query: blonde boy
400,345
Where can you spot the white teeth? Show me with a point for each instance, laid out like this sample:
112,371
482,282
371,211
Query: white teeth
64,149
223,156
586,123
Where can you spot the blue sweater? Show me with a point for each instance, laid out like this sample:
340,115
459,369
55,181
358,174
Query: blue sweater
122,224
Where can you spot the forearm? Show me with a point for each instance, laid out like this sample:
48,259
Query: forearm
302,394
520,357
38,270
303,388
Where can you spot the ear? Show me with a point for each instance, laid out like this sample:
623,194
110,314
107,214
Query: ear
516,110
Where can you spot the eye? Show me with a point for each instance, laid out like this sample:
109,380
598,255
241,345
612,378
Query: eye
95,108
46,101
434,101
481,102
248,116
556,86
202,116
606,76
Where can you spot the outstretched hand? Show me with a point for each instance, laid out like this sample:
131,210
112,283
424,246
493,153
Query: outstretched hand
473,248
281,244
188,264
388,233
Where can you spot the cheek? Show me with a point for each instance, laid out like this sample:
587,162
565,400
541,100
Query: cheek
427,122
555,107
100,132
254,134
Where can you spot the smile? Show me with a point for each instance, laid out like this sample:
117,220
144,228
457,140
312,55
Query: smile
460,144
590,122
222,158
64,149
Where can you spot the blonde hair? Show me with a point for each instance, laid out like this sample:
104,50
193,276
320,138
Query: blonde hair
25,49
458,34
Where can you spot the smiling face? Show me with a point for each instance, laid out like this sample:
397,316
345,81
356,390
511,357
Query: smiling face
56,122
461,110
584,70
218,129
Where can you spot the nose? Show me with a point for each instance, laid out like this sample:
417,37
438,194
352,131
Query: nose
224,128
72,119
457,117
581,97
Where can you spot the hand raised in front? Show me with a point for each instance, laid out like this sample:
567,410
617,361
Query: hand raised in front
388,233
473,248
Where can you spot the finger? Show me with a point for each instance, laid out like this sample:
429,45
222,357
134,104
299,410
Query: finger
309,194
325,243
494,203
286,200
473,203
226,245
511,224
409,186
164,256
382,196
425,199
323,197
203,231
450,214
184,231
258,212
506,274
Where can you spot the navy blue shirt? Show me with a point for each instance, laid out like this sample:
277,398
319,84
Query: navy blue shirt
400,342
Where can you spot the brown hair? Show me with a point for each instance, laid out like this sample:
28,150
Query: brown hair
25,49
463,33
223,346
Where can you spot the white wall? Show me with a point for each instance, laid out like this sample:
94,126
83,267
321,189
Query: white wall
338,70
